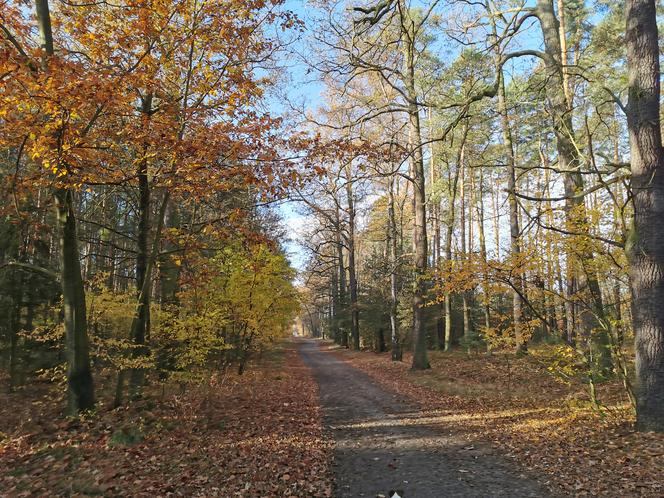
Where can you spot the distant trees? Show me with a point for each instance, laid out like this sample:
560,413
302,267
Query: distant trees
472,106
358,46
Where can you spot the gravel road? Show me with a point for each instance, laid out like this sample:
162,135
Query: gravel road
383,443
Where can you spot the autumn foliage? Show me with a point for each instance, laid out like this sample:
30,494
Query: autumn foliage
469,186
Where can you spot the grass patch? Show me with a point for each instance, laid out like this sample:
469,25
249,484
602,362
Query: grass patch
87,488
453,387
126,436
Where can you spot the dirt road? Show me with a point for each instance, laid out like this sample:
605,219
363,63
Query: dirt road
383,443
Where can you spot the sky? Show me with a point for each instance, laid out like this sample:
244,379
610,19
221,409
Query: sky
303,88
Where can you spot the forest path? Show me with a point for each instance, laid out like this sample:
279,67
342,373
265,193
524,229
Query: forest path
382,443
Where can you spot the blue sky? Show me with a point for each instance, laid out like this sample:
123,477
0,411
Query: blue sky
303,88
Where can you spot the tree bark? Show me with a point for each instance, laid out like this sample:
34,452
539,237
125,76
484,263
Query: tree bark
420,359
352,280
13,327
169,272
394,291
483,253
137,374
645,246
334,304
435,230
79,374
342,282
447,302
140,331
465,295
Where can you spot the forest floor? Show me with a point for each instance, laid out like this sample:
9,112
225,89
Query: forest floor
545,427
255,435
385,442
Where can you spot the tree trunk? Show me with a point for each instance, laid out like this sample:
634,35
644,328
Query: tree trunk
420,360
435,230
394,296
582,275
447,303
515,232
342,282
137,374
645,247
352,280
169,272
394,300
334,305
79,374
465,295
140,331
380,346
13,327
483,253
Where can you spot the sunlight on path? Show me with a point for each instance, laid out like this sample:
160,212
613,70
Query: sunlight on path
383,443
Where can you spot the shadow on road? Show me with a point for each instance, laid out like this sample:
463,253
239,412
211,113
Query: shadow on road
384,443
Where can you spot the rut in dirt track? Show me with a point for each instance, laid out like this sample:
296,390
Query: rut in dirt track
381,443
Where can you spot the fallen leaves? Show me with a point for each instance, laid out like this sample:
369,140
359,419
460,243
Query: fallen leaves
256,435
540,423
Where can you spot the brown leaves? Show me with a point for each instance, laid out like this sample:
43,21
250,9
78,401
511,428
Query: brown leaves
255,435
542,424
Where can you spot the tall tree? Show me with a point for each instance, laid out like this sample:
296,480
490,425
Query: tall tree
352,267
79,374
515,231
408,26
646,241
582,274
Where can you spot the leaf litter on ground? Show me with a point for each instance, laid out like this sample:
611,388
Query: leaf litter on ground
544,425
255,435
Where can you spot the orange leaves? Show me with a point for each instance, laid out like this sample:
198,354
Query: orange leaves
193,60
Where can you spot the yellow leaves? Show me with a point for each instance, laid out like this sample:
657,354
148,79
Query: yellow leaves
563,362
457,276
241,298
